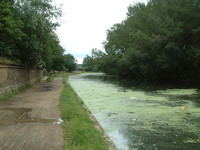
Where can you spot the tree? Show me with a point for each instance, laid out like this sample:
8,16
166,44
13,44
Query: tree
28,33
38,28
88,63
10,29
157,42
70,62
94,62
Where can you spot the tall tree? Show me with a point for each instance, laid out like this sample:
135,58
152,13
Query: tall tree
38,28
94,62
158,41
28,33
10,29
70,62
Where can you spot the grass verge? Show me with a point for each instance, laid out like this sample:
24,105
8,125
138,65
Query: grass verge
14,92
79,130
51,77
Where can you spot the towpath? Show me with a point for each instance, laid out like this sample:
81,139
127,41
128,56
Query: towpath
30,120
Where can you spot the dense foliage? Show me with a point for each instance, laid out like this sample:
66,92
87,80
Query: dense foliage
93,62
70,62
28,33
158,41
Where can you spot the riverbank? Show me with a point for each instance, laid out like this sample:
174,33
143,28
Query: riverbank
80,132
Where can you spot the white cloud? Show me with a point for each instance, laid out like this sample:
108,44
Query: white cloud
84,23
79,60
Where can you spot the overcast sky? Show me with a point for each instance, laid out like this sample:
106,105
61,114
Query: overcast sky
84,23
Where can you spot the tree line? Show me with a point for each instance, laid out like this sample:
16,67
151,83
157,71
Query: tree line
27,34
157,42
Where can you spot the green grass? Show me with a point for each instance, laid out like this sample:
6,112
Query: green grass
51,77
13,93
79,130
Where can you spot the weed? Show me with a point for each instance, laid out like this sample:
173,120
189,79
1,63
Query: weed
14,92
51,77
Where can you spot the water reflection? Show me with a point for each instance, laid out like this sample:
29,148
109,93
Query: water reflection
12,116
142,118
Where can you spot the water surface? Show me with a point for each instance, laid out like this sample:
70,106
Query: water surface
141,119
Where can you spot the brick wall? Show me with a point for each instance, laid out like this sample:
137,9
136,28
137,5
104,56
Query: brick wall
13,76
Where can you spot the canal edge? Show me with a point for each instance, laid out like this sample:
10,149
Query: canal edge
97,124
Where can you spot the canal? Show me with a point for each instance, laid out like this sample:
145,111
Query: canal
142,118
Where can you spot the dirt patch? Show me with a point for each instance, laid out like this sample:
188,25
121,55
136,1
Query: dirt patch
31,119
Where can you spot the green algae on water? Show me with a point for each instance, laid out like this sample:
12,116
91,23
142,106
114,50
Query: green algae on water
142,119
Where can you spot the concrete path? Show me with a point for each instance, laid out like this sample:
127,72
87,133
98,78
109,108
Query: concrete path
30,120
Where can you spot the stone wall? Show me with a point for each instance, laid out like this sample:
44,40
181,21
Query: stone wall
13,76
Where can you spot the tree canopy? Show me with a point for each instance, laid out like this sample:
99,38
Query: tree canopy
93,62
70,62
28,33
157,42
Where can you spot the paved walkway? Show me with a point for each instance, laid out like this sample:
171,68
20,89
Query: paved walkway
30,120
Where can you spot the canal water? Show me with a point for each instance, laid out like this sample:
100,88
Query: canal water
142,118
